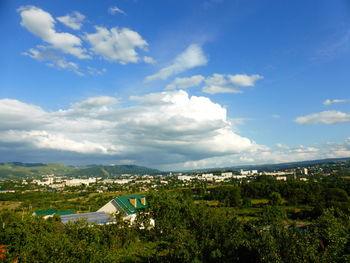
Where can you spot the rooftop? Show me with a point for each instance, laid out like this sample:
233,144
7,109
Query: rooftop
131,203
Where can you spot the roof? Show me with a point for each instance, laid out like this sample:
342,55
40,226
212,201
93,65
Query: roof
47,212
124,203
99,218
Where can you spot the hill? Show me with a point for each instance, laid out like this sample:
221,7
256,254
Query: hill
19,170
112,170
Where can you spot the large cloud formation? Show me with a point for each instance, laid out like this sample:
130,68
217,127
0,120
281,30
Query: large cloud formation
161,129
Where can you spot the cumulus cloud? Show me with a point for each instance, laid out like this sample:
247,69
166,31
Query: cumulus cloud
42,53
324,117
161,129
113,10
330,102
185,83
117,44
42,24
220,83
73,21
192,56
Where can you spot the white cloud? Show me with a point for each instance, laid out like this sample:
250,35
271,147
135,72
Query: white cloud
117,44
185,83
192,57
149,60
330,102
164,128
73,21
242,80
113,10
42,24
220,83
43,53
324,117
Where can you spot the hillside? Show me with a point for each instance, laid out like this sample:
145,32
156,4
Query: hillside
18,170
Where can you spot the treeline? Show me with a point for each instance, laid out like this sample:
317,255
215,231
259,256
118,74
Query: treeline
186,230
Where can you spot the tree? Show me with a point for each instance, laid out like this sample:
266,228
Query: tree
275,198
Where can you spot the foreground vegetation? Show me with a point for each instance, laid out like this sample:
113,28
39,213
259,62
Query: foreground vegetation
260,221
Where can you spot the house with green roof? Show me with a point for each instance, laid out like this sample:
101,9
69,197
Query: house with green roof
127,205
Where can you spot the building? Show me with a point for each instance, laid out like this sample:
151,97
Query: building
127,205
78,182
305,171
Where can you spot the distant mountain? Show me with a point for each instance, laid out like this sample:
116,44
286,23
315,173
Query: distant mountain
111,170
19,170
278,166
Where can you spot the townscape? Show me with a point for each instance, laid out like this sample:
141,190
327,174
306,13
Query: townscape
282,203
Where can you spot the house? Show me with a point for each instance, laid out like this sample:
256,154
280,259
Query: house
127,205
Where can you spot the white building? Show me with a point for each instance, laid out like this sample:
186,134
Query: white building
78,182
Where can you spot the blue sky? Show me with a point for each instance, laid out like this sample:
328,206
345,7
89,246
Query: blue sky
174,84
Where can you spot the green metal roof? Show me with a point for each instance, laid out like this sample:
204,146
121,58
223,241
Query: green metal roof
53,212
124,203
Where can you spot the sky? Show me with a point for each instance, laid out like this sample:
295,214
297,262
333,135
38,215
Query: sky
174,85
